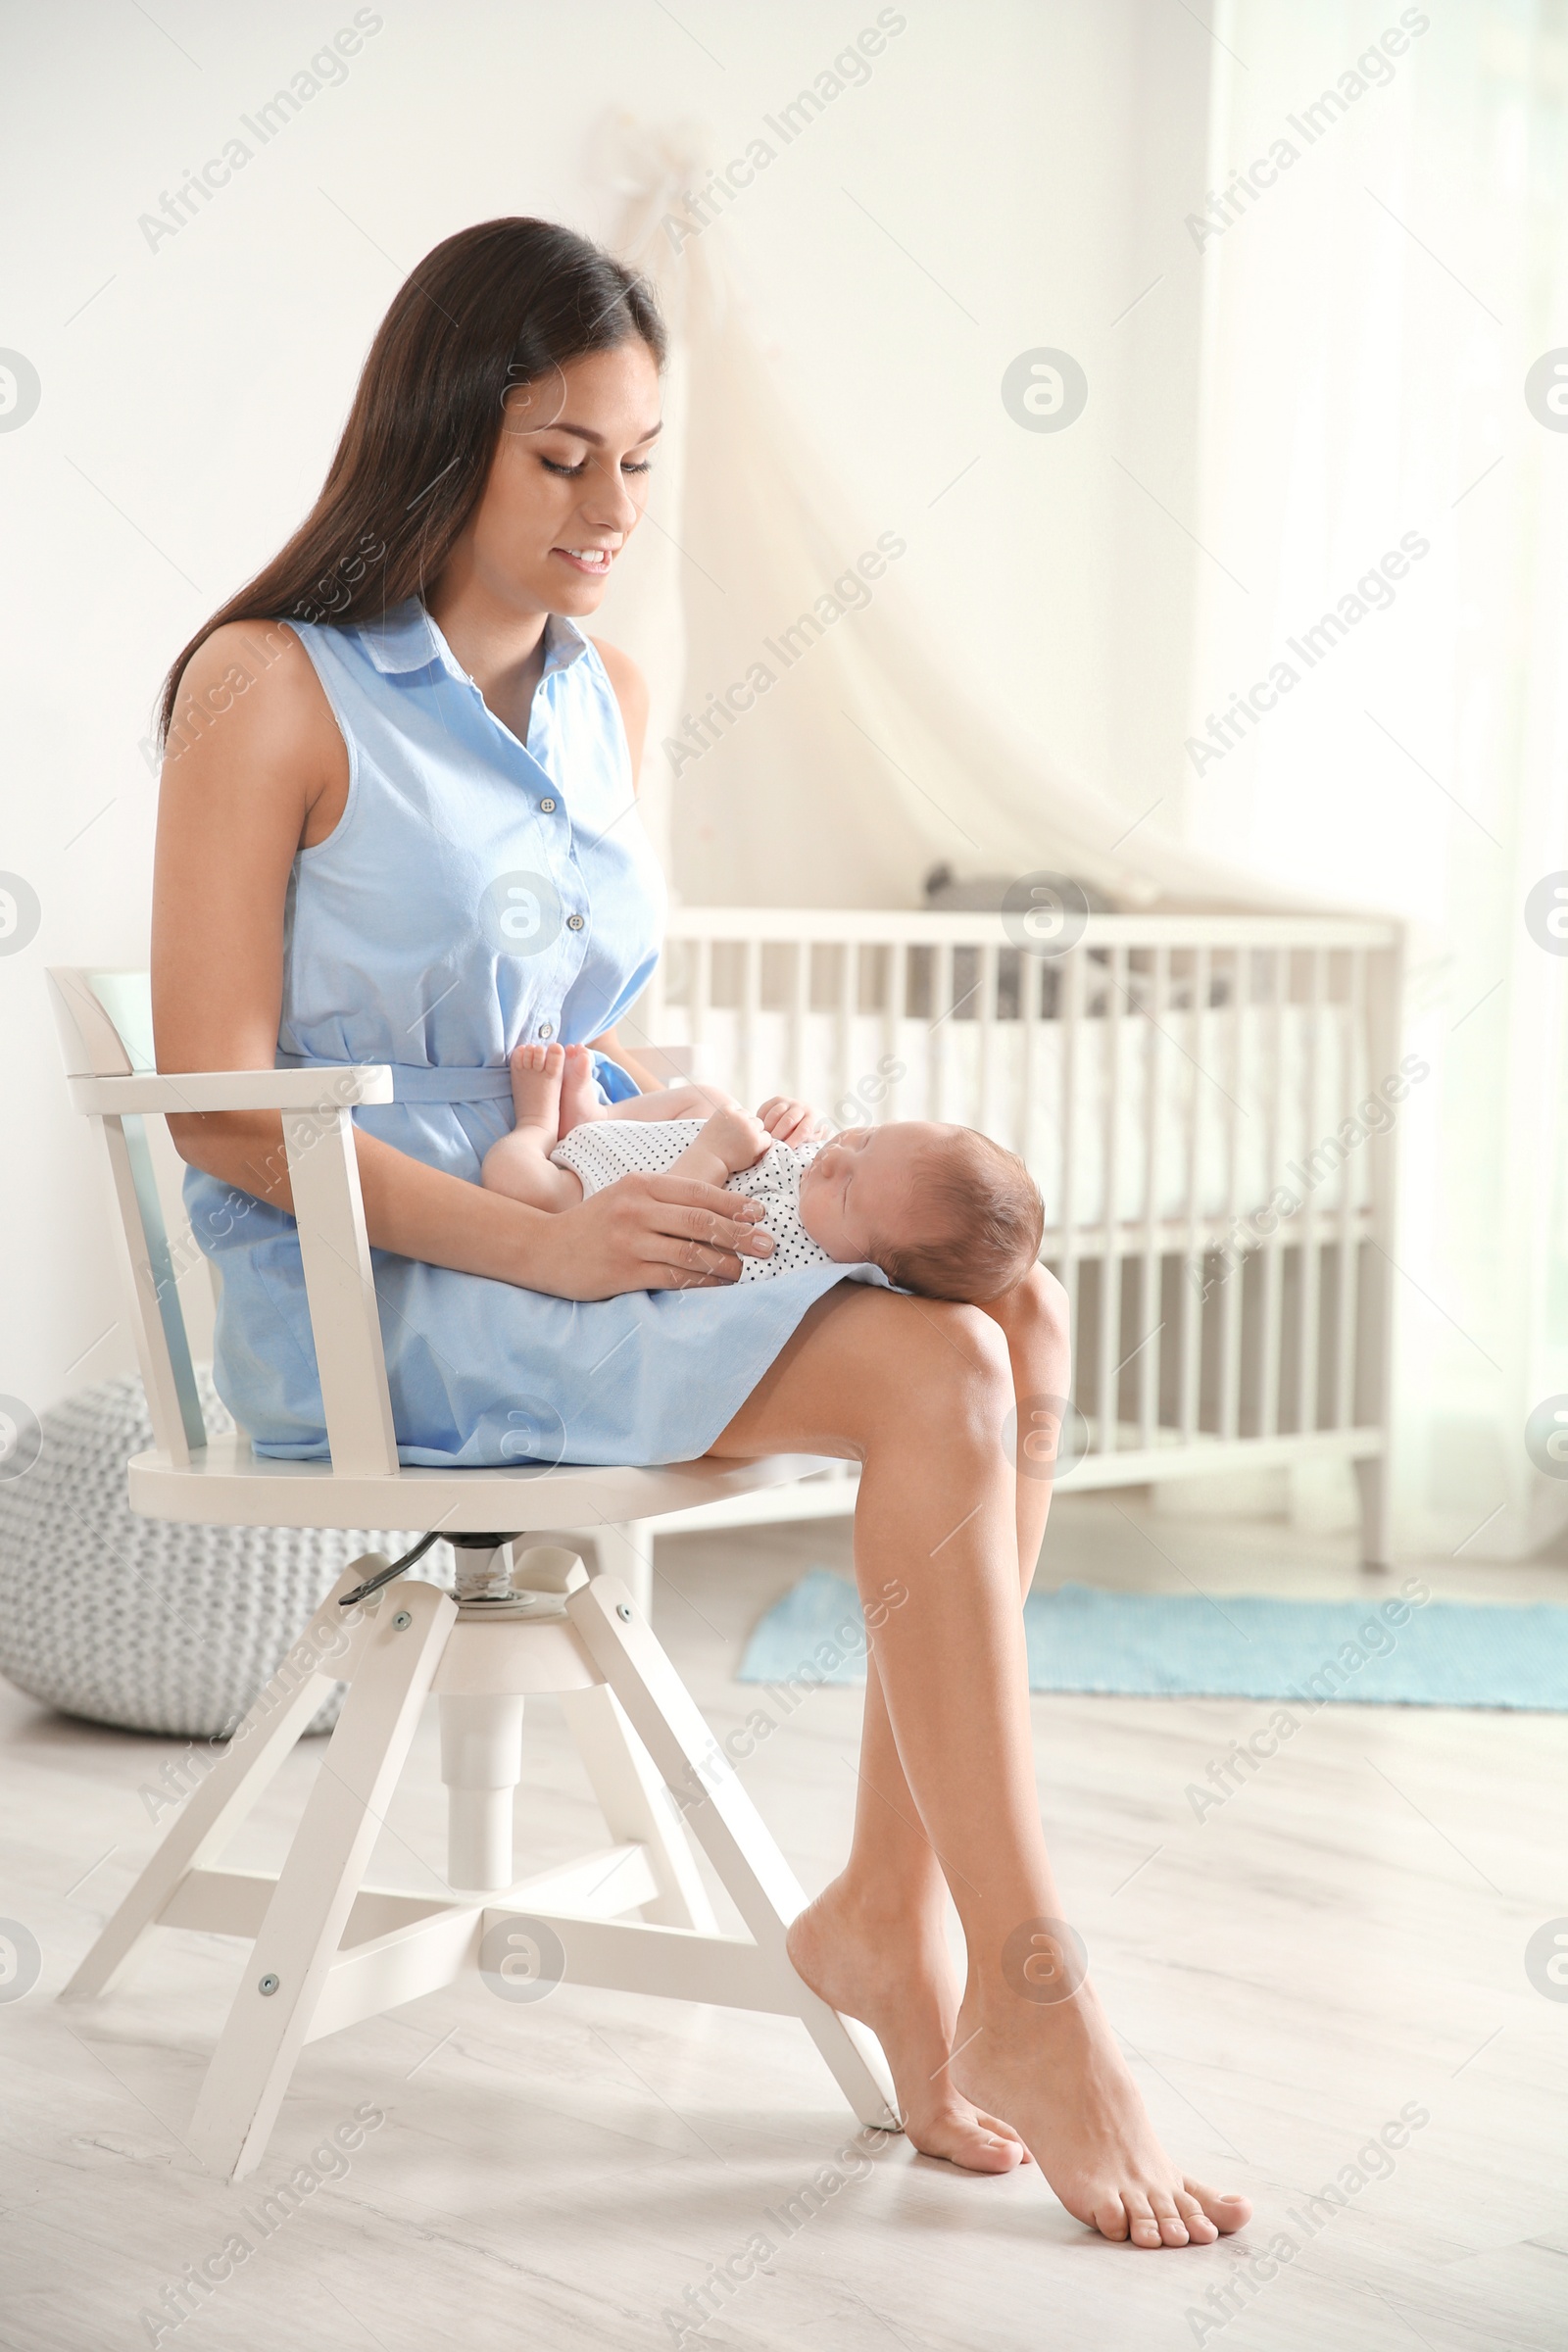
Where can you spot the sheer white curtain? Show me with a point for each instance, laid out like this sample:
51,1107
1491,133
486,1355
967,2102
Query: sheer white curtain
1374,301
815,748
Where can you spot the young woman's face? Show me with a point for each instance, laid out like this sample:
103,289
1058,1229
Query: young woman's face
567,484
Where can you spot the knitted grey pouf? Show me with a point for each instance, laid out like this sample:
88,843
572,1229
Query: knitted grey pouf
143,1622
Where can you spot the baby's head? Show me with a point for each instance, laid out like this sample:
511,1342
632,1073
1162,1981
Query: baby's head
942,1211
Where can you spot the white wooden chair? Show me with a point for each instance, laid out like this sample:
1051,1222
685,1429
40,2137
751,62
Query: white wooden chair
527,1618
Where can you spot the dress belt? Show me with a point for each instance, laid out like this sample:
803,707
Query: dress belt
418,1081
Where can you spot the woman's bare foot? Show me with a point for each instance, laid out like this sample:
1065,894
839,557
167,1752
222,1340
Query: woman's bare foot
895,1976
536,1078
579,1094
1051,2065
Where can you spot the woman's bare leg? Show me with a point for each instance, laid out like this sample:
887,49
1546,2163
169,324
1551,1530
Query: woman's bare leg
892,1897
919,1392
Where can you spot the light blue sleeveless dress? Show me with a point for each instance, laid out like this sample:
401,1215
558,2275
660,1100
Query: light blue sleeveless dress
477,893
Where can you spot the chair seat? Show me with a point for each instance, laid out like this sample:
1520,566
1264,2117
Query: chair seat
228,1482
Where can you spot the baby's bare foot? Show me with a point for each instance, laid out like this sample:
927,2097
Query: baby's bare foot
894,1977
579,1095
536,1075
1055,2070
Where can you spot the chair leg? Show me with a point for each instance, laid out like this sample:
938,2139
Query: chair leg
723,1819
215,1809
637,1806
293,1954
626,1548
1374,1491
481,1764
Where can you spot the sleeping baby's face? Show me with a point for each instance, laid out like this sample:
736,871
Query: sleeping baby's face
859,1198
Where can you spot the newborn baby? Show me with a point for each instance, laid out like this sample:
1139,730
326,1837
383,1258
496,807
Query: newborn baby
941,1210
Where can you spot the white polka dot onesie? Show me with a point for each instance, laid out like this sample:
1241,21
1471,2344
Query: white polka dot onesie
603,1150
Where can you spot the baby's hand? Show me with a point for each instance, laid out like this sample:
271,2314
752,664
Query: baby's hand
737,1138
788,1122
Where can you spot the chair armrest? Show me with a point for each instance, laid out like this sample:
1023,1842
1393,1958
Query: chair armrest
180,1091
328,1213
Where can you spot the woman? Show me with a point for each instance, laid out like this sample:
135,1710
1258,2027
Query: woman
398,824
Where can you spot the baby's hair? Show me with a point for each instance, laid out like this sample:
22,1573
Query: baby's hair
986,1220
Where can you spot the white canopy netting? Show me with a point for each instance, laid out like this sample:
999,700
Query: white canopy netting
808,745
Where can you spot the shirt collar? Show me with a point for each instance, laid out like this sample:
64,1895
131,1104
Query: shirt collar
565,642
406,639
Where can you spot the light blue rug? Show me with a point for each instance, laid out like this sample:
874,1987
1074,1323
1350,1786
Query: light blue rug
1386,1652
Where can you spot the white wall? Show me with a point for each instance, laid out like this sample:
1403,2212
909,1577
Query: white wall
1034,161
1373,318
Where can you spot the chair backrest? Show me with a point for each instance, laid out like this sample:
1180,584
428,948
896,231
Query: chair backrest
105,1031
105,1021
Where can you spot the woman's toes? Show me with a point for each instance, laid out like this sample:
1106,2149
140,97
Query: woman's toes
1173,2231
1200,2229
1110,2219
990,2146
982,2152
1227,2209
1141,2227
1006,2134
962,2135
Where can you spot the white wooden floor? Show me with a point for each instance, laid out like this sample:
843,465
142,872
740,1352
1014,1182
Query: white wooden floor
1341,1939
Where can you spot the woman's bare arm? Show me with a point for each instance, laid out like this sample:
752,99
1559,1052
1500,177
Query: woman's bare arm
257,768
630,689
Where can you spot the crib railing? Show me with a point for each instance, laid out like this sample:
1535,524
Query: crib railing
1209,1107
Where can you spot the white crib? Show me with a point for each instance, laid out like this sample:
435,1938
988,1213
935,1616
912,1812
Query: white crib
1164,1078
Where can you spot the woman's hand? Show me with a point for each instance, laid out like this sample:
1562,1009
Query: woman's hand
650,1233
787,1122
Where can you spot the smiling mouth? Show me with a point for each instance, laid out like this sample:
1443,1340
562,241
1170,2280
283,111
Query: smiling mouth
594,561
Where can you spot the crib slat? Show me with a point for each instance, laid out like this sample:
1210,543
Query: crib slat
797,1014
749,1087
987,1120
701,990
1070,1012
944,1013
1030,979
1108,1406
1384,1036
1192,1320
653,1013
1150,1303
844,1074
1232,1269
897,981
1306,1336
1270,1339
1357,1084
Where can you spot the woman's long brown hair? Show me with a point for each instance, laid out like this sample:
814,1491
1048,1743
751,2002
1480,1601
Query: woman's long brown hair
497,306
